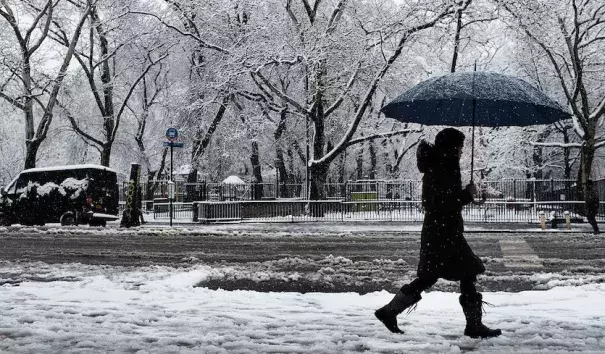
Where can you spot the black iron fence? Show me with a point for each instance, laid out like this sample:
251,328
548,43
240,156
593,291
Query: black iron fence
507,201
337,210
510,190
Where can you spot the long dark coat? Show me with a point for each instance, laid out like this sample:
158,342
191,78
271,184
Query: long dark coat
444,252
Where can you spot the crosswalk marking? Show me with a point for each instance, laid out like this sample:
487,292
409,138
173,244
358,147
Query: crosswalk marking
519,254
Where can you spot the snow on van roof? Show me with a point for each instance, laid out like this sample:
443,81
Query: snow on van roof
69,167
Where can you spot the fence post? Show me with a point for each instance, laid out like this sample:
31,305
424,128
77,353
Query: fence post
533,180
567,219
542,220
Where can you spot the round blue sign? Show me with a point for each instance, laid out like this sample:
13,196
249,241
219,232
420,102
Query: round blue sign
172,134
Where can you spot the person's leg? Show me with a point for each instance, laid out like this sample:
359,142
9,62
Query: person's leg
407,296
472,305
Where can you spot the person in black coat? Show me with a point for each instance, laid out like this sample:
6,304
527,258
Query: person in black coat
444,252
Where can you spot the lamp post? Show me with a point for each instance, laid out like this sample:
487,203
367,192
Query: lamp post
172,134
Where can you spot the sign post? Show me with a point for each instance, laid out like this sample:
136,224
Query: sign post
172,134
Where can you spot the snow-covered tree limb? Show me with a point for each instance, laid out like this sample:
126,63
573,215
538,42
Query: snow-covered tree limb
557,144
203,43
281,94
382,135
331,155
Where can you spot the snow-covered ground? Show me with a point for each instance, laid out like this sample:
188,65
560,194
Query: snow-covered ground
74,308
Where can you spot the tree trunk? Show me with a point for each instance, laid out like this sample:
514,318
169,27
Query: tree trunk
106,154
585,171
256,172
359,162
284,177
566,153
319,175
150,186
31,151
295,182
373,160
456,40
191,193
538,156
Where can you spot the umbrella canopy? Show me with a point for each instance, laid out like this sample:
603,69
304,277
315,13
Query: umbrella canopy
500,100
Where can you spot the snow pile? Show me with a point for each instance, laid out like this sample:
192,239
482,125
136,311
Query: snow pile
78,308
75,187
48,188
71,186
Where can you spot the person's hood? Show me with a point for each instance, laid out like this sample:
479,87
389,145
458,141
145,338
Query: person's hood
425,156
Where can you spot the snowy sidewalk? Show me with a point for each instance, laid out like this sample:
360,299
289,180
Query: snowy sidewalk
338,226
88,309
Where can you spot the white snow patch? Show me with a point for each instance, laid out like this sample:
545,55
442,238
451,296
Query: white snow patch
158,309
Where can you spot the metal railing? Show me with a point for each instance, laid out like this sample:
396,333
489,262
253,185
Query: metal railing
179,210
396,210
380,190
507,201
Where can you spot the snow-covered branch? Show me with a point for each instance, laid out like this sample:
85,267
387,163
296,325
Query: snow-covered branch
599,111
281,94
203,43
337,103
382,136
556,144
365,101
131,90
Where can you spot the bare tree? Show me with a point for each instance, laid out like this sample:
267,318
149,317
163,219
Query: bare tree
321,101
99,65
571,34
34,92
149,94
207,48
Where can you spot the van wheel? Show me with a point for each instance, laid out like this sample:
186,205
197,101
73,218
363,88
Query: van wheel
68,218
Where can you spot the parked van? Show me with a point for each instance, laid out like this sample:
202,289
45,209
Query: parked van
71,195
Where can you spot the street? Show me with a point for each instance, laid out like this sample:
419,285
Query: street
309,257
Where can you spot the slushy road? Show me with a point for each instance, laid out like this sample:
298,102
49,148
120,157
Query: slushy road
309,257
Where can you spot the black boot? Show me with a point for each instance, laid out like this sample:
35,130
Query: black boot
472,306
388,313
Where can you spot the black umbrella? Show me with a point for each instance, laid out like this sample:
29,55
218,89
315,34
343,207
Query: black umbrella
475,98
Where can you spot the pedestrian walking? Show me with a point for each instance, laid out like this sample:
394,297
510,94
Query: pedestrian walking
444,252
